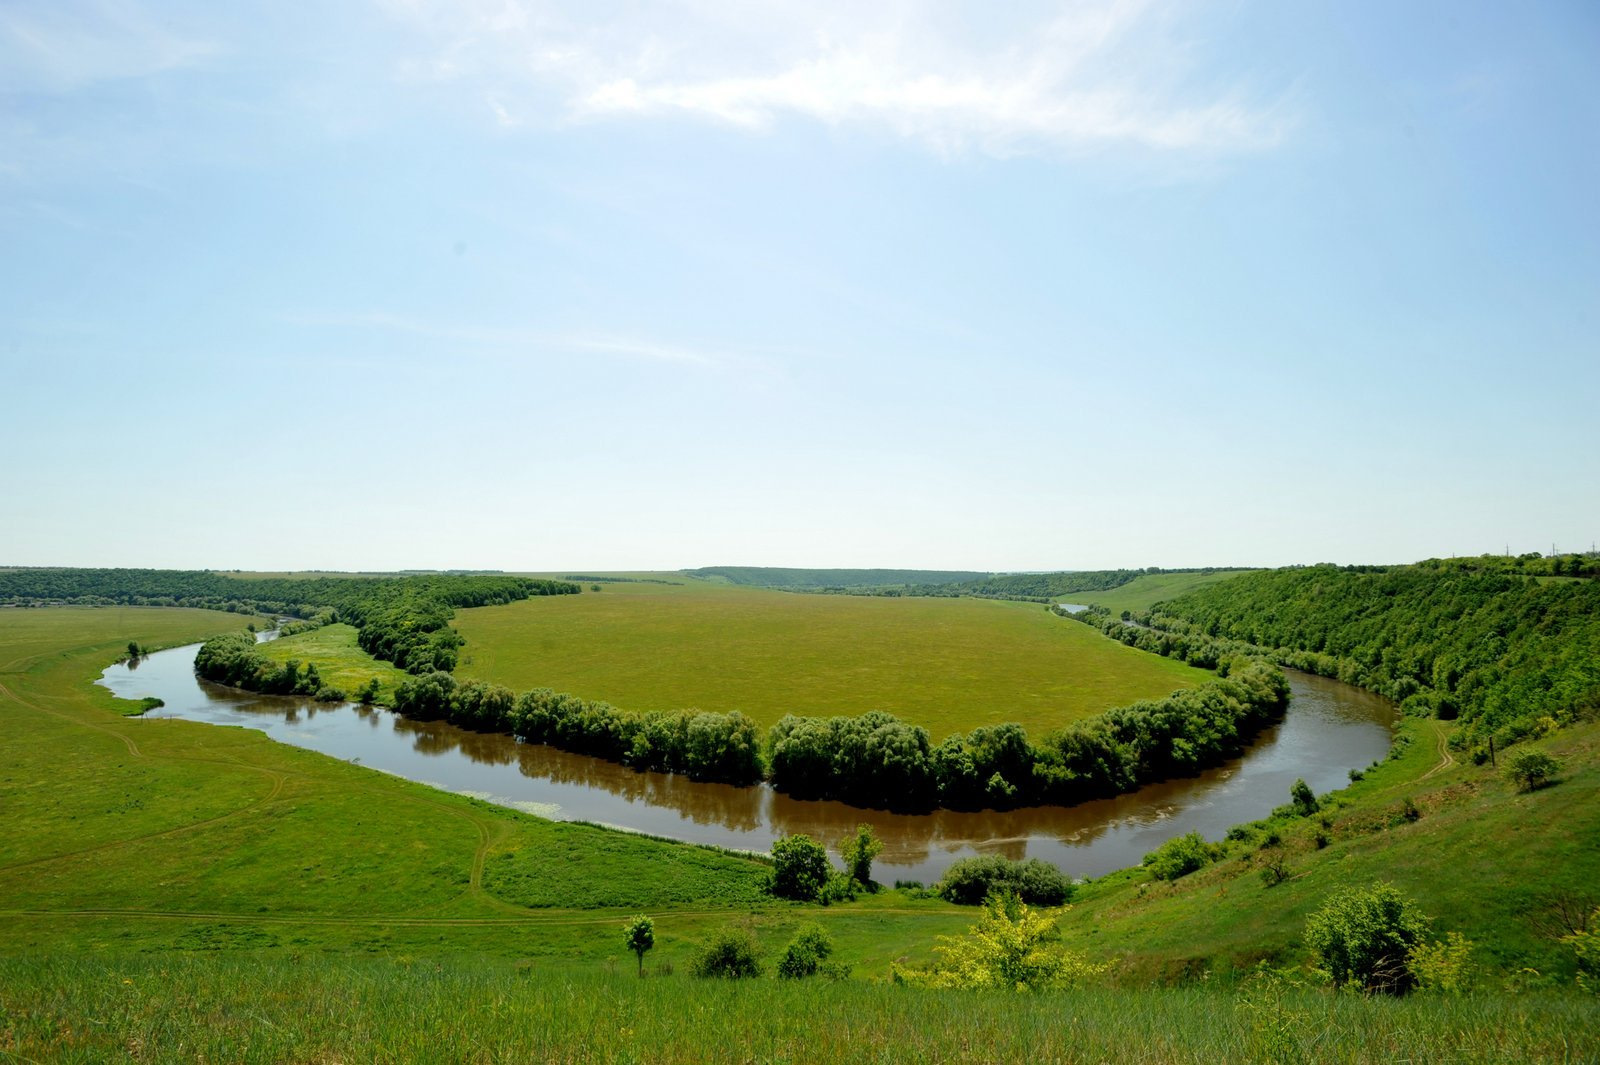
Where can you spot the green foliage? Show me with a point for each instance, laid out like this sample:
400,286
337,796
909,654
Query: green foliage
1472,638
974,881
732,954
1443,965
1530,770
799,868
806,953
840,887
1365,937
1585,942
1011,948
858,850
1180,856
877,760
640,935
1304,800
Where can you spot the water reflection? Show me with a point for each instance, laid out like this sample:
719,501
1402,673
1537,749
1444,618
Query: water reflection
1330,729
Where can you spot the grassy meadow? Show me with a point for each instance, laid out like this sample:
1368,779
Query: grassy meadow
340,661
1146,591
946,664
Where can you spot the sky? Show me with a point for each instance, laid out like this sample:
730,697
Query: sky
587,285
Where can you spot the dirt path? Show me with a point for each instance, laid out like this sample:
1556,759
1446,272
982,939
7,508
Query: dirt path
1442,740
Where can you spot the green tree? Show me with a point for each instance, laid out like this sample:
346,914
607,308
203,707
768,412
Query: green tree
806,953
858,850
1531,770
640,935
1365,936
1011,947
799,868
1305,800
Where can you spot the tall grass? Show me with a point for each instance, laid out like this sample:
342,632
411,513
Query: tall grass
186,1008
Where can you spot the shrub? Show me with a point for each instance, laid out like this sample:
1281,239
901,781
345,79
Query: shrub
1275,871
858,850
1365,936
1010,948
972,881
1181,856
799,868
840,887
1531,770
805,954
1443,965
1586,943
1304,799
731,955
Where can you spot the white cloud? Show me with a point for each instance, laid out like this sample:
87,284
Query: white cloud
64,46
953,76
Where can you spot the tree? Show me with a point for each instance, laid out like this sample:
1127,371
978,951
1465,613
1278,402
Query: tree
640,935
133,649
858,850
1532,770
799,868
1305,800
1011,947
1366,936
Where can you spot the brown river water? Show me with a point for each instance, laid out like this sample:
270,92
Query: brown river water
1330,729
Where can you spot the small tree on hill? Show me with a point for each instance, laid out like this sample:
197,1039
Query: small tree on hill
1531,770
1305,800
799,868
640,935
858,850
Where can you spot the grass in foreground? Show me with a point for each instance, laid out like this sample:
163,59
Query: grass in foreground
270,1010
946,664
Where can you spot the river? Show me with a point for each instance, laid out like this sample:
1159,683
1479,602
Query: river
1330,729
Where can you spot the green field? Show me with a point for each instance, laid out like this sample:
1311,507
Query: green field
1143,592
172,890
945,664
340,661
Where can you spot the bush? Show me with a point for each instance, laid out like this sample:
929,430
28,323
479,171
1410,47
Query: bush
1181,856
858,850
1443,965
799,868
731,955
1531,770
1366,936
1304,799
840,887
972,881
805,954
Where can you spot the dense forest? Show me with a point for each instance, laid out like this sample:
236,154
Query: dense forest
1511,655
404,620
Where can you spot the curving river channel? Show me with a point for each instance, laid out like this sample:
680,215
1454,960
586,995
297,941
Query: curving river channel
1330,729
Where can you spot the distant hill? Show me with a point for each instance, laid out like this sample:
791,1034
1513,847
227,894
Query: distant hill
818,579
1038,587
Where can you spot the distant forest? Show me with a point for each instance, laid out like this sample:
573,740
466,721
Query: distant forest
1032,587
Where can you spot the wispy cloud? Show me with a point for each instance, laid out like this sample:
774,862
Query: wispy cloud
528,340
61,46
953,76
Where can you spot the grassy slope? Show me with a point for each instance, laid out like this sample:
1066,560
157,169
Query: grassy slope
1142,593
1483,859
946,664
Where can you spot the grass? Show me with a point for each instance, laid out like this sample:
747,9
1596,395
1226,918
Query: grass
1146,591
172,891
946,664
198,1008
341,663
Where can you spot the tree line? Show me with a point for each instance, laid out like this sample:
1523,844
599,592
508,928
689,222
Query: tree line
404,620
1510,655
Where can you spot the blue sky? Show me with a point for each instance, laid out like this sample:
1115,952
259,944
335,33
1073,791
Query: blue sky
614,285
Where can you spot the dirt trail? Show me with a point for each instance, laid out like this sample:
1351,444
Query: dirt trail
1446,759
